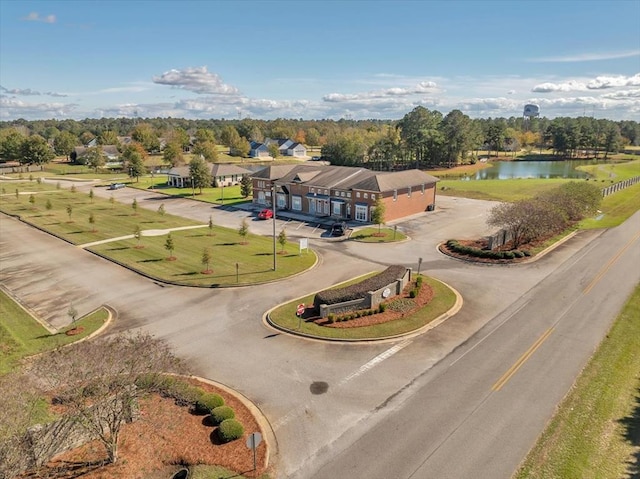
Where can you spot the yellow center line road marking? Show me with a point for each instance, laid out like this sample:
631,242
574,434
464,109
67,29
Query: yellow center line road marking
609,264
518,364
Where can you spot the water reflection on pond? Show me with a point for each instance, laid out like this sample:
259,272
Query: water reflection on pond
504,170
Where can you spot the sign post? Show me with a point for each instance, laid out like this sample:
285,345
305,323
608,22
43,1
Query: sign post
419,264
253,441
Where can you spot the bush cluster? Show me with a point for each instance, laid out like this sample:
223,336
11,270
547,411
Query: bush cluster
173,387
229,430
456,247
222,413
208,402
359,290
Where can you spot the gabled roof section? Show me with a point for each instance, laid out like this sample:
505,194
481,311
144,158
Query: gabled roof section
389,181
227,169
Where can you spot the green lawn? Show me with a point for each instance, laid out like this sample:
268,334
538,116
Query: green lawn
443,300
498,190
613,172
371,235
228,195
595,432
21,335
616,209
110,220
254,259
218,472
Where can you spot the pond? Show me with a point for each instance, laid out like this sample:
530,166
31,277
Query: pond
504,170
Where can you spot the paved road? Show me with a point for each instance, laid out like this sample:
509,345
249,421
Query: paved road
319,397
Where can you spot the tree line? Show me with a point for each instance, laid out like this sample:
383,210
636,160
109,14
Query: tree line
423,138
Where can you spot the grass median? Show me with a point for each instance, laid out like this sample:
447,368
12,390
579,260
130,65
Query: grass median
21,335
443,300
377,235
595,432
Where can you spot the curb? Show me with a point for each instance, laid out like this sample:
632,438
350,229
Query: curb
267,430
266,320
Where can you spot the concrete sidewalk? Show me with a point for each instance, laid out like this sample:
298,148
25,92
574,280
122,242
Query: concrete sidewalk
142,233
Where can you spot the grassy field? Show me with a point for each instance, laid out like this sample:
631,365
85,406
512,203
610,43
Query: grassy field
254,259
498,190
615,208
612,172
217,472
371,235
222,196
21,335
443,300
111,220
595,432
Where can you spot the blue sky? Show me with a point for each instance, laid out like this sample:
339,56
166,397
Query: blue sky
314,60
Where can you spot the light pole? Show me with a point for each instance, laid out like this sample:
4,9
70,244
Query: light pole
193,188
273,209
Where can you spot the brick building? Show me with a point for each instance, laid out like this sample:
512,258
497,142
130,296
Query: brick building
344,192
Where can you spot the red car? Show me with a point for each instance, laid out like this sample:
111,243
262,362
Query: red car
265,214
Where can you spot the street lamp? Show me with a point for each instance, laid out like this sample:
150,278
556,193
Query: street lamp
193,187
273,209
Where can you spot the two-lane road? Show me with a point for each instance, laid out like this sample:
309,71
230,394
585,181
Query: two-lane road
477,413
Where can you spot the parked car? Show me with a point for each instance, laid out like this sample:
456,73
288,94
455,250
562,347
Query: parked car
338,228
265,214
116,186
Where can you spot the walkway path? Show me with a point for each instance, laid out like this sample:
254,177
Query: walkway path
142,233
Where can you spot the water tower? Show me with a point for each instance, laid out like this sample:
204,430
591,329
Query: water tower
530,111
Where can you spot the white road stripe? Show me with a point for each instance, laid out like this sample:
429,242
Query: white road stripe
378,359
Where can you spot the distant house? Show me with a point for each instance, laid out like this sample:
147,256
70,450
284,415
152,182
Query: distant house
344,192
286,147
110,153
257,149
223,174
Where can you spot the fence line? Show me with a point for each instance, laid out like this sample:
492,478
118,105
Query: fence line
620,186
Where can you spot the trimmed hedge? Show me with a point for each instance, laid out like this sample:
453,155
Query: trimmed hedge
456,247
172,387
222,413
230,430
208,402
359,290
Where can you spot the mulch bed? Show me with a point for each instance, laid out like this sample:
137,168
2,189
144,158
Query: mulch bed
166,435
481,244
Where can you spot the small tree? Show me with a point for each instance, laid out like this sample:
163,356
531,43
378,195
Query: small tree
137,234
243,231
72,313
39,180
206,260
134,205
112,375
69,211
282,239
30,177
91,195
378,212
170,246
32,199
246,186
48,205
58,185
161,210
112,200
73,188
17,194
92,222
273,150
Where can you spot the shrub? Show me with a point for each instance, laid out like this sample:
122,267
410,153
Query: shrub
413,293
359,290
230,430
527,253
382,307
509,255
222,413
518,254
208,402
419,281
331,318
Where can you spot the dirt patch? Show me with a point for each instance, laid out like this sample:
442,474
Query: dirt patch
167,435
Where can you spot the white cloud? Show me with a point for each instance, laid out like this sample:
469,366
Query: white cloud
571,85
35,17
197,80
11,107
587,57
622,95
29,92
422,87
603,82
